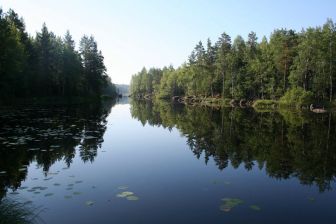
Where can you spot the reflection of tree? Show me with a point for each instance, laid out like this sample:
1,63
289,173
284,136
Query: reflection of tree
16,211
47,135
287,144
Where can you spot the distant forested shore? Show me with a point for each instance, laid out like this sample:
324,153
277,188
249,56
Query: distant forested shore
46,65
288,68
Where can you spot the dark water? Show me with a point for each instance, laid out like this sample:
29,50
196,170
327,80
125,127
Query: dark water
162,163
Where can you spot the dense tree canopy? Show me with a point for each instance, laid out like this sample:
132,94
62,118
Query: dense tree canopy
251,69
48,65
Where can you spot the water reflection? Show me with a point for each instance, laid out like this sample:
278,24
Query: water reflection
46,134
286,143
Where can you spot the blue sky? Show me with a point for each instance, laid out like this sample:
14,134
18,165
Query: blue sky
137,33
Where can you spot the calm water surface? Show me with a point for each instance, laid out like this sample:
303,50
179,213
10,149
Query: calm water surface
141,162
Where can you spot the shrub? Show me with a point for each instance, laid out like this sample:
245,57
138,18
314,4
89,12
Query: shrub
265,104
297,97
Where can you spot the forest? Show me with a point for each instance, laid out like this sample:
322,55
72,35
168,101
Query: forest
46,65
289,67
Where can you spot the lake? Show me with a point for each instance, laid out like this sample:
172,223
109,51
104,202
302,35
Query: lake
144,162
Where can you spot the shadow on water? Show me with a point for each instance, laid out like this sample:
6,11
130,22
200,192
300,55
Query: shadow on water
285,143
47,134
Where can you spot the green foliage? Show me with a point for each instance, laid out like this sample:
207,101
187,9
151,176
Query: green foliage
251,70
47,65
297,97
265,104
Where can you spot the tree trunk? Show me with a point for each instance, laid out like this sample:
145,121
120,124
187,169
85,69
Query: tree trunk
223,88
330,73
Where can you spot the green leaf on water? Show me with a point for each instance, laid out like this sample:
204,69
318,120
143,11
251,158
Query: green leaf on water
89,203
132,198
48,194
255,207
77,193
312,199
124,194
230,203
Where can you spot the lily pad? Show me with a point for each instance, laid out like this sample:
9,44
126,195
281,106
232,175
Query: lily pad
89,203
132,198
312,199
125,194
230,203
255,207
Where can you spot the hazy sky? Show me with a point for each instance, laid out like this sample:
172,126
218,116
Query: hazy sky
137,33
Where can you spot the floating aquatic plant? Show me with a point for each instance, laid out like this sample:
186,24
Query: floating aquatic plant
125,194
230,203
312,199
48,194
255,207
132,198
89,203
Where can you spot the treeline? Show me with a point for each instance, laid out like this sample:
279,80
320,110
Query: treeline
48,65
303,63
